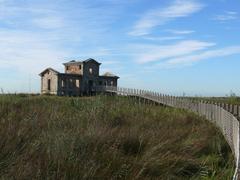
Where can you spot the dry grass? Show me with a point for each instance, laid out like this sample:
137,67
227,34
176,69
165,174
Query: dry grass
227,100
107,138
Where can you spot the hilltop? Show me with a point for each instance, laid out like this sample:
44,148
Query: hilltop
107,137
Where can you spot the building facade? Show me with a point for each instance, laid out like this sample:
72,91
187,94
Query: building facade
80,77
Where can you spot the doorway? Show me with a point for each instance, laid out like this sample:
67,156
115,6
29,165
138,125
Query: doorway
90,86
49,85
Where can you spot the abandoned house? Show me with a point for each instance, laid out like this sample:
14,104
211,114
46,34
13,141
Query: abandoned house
80,77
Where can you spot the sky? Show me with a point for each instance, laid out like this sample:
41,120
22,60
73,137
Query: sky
175,47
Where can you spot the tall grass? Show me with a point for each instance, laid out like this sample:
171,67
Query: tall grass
107,138
227,100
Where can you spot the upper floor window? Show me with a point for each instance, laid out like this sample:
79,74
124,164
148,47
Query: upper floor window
80,66
90,70
67,67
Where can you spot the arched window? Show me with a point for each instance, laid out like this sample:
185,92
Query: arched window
90,70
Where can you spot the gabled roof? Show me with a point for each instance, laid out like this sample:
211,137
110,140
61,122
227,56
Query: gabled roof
48,69
74,62
91,60
109,74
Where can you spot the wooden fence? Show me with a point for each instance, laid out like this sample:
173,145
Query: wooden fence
224,116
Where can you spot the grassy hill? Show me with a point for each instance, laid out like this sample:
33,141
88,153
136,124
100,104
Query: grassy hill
107,138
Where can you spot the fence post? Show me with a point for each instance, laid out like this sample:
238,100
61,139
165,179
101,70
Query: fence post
231,109
206,110
212,111
238,111
227,107
235,110
201,106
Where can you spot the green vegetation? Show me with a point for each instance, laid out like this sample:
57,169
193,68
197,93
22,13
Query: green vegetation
227,100
107,138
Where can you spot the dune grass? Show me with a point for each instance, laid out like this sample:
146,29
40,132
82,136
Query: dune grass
107,138
227,100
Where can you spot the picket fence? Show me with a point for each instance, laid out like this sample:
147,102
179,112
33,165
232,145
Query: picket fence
225,117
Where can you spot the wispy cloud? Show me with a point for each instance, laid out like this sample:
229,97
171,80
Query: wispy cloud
227,16
180,32
47,33
22,51
152,53
205,55
163,38
153,18
189,60
49,22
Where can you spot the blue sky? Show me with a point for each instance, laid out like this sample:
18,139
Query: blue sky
170,46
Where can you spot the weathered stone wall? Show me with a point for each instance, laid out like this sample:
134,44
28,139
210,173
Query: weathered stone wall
91,73
108,81
52,76
69,85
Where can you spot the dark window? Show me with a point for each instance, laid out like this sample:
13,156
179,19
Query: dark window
80,67
67,67
71,83
74,83
49,84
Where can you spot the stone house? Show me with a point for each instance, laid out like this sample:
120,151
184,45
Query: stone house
80,77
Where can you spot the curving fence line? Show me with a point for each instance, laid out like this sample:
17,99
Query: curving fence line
224,120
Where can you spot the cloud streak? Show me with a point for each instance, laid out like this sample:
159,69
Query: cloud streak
157,17
227,16
186,60
22,51
40,34
152,53
189,60
181,32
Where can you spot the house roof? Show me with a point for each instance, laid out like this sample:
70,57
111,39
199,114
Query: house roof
74,62
48,69
109,74
91,60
